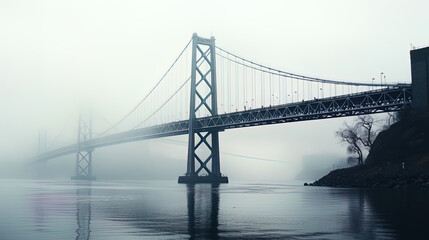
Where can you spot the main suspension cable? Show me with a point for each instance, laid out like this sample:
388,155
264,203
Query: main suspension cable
157,84
292,75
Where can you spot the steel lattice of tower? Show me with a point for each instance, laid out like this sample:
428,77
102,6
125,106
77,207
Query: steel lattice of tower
84,155
203,146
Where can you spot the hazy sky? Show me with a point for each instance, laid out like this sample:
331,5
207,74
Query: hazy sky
56,54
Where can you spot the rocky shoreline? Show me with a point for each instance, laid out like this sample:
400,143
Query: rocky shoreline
362,177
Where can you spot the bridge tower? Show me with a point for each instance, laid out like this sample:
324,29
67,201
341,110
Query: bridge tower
420,77
203,146
84,154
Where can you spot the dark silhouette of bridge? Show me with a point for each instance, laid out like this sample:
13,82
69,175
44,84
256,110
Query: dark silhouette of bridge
208,90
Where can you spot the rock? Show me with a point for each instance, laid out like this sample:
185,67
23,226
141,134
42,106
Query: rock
305,184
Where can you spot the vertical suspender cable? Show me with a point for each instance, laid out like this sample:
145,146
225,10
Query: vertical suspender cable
262,90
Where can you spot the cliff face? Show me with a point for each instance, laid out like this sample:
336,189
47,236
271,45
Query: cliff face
398,158
405,141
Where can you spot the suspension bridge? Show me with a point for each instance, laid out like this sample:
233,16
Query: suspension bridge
208,90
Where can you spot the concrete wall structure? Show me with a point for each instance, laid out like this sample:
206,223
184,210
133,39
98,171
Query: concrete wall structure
420,77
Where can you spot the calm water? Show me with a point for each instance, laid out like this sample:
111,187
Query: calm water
166,210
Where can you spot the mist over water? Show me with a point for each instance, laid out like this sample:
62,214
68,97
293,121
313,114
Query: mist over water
167,210
60,57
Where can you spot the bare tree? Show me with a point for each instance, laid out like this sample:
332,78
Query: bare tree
365,130
359,137
349,135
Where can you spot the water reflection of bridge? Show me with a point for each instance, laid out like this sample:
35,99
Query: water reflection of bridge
196,212
203,216
83,211
202,210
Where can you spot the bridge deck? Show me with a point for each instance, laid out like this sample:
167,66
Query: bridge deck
383,100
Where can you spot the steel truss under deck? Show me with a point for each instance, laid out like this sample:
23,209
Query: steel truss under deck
383,100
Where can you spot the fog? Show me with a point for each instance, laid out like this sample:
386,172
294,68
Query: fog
59,56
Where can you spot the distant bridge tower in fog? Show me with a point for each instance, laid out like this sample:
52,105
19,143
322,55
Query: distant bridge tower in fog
83,169
208,90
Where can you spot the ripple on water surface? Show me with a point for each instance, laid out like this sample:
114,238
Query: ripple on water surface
167,210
